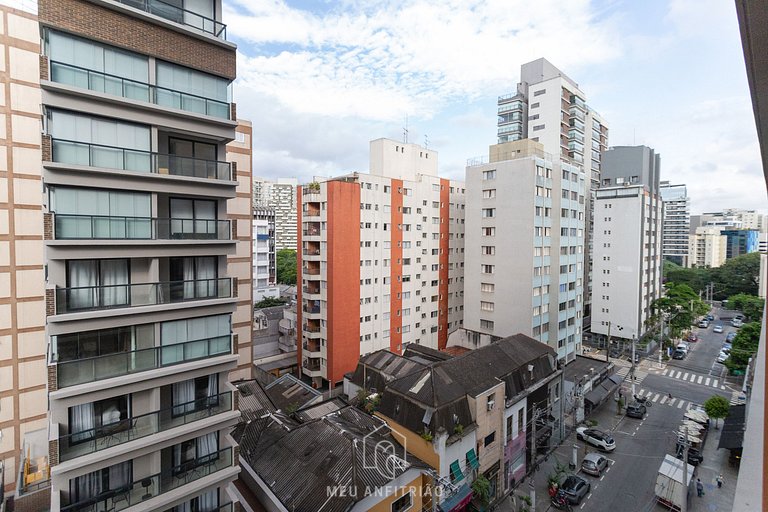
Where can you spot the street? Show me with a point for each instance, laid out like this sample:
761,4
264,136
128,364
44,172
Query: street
628,484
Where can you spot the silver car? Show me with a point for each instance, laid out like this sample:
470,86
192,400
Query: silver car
594,464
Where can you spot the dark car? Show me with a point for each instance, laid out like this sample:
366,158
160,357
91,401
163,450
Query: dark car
693,338
694,456
594,464
615,353
710,317
573,489
678,354
636,410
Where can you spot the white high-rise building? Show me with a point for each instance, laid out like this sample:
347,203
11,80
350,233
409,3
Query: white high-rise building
549,107
524,246
281,196
627,238
676,223
708,247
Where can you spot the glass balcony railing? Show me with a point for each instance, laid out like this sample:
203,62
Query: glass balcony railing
125,159
106,366
137,492
181,16
118,86
90,298
102,227
129,429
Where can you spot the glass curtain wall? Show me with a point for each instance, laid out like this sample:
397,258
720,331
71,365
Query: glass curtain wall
102,214
192,90
194,338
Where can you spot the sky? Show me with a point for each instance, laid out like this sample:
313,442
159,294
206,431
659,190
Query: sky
319,79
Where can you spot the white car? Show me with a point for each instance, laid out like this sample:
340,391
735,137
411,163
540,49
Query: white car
596,438
718,328
722,357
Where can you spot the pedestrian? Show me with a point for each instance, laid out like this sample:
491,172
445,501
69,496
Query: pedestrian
699,487
719,481
669,396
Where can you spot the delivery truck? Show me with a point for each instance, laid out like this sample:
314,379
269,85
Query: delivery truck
671,490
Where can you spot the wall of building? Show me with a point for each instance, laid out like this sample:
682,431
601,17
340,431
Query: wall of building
23,402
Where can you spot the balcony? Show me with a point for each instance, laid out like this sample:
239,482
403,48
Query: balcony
312,290
98,81
81,371
312,348
101,227
312,308
134,160
311,368
130,429
311,252
578,114
92,298
143,489
311,271
180,16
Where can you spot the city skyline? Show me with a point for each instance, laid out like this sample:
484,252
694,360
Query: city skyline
324,79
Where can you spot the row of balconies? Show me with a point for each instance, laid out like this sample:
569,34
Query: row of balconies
103,227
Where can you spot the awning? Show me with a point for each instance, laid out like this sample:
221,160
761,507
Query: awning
457,501
472,459
456,471
732,436
605,389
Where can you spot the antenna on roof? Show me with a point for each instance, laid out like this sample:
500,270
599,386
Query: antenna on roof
405,130
426,141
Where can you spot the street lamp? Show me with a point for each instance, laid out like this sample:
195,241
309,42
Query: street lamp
608,345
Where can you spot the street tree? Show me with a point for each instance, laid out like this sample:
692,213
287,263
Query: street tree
681,304
737,275
750,305
286,266
696,278
716,407
744,346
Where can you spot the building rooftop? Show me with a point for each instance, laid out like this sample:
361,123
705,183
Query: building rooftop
289,393
582,366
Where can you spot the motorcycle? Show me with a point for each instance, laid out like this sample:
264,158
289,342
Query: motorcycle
561,502
643,400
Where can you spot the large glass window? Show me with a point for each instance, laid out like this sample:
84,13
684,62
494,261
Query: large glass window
98,67
195,394
193,218
94,213
192,90
99,142
72,347
195,452
193,278
88,487
194,338
97,283
98,419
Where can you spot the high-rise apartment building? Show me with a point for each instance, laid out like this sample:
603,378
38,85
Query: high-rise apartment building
550,108
707,247
676,223
147,234
524,246
264,260
375,261
23,401
627,242
281,196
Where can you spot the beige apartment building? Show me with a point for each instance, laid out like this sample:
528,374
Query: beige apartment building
127,251
23,401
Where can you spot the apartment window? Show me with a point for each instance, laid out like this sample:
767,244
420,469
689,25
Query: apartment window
489,193
487,287
487,269
403,503
192,82
387,189
489,175
489,231
539,93
88,487
486,306
489,439
488,250
486,324
538,127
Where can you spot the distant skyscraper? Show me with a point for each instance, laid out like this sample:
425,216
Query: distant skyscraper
676,224
524,246
627,266
550,108
281,196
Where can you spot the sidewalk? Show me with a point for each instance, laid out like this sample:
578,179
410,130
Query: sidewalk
715,462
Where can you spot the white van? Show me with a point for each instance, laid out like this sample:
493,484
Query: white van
682,346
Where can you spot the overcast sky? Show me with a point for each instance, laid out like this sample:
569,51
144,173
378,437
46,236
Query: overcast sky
320,79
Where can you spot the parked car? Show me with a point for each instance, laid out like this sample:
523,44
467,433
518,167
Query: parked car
718,328
594,464
709,317
722,357
692,338
726,346
694,456
615,353
596,438
682,346
678,354
737,322
704,324
636,410
573,488
730,336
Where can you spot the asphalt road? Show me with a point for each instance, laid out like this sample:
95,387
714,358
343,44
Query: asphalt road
641,444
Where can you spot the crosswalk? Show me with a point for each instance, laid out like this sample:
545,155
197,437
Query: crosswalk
663,399
693,378
640,375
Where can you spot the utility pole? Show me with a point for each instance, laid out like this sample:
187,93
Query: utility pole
532,484
661,338
608,345
684,501
633,365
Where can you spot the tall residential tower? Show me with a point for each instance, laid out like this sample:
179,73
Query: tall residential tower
676,223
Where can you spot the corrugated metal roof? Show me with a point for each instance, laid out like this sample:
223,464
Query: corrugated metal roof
316,411
290,393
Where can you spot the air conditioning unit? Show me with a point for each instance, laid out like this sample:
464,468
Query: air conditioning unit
491,403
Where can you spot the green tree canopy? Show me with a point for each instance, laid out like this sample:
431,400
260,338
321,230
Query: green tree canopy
744,346
269,302
716,407
750,305
682,305
737,275
286,266
696,278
